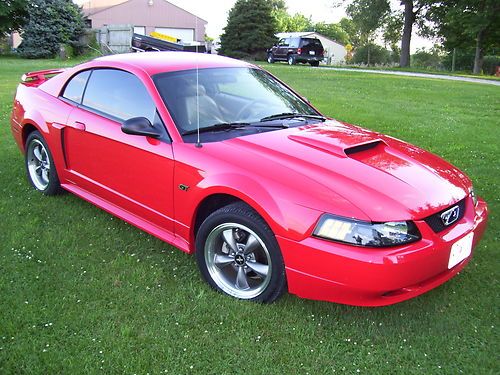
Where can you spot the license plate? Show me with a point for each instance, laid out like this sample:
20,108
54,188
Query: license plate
460,250
312,52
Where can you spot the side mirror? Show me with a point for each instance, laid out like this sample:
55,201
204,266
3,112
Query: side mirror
140,126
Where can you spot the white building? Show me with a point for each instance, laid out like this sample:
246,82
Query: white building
335,52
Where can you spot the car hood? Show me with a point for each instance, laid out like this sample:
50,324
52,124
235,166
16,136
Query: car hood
385,178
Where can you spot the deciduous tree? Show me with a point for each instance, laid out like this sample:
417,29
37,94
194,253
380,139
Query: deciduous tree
333,31
13,14
469,23
368,16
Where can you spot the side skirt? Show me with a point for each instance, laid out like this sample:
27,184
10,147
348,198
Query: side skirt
130,218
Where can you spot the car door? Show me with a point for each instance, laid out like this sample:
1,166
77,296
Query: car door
282,49
132,172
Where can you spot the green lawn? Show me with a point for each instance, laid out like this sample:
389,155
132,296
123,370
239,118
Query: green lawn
83,292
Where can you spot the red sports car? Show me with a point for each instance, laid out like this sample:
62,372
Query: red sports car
221,159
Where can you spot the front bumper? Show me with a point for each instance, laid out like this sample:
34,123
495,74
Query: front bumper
329,271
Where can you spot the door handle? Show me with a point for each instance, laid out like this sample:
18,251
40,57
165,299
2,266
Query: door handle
77,125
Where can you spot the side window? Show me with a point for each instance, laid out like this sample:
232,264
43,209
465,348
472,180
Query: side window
294,42
75,87
119,94
283,42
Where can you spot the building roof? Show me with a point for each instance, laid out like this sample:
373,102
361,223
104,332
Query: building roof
91,7
302,34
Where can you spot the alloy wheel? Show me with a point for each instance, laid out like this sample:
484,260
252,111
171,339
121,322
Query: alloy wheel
38,164
238,260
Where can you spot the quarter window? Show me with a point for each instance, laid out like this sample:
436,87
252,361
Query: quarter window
118,94
75,87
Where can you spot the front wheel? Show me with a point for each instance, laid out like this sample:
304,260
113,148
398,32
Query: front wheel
40,165
291,60
238,254
270,58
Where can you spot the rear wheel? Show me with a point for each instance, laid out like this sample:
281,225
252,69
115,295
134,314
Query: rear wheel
291,60
270,58
238,254
40,165
314,63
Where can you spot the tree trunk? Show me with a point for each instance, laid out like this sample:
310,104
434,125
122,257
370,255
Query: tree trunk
409,19
478,58
453,59
368,50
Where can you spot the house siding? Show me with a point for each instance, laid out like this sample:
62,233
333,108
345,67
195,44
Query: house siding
139,13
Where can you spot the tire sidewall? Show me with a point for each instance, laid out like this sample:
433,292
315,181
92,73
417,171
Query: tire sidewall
270,58
291,60
274,289
53,186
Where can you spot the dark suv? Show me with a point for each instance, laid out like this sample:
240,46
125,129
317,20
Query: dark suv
295,50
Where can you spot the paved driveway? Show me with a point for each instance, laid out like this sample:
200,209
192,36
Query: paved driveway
415,74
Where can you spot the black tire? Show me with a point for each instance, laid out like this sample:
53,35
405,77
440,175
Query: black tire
47,180
211,240
314,63
270,58
291,60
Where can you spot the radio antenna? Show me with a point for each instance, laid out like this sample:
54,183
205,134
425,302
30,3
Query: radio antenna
198,143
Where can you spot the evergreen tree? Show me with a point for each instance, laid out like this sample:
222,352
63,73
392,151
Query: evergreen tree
51,23
250,29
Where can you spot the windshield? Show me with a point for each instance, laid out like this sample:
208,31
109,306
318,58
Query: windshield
225,96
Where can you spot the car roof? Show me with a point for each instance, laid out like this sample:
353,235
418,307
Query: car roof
168,61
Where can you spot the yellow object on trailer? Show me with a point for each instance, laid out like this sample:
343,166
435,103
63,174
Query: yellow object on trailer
168,38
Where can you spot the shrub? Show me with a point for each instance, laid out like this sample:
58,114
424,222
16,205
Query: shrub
378,55
430,59
490,64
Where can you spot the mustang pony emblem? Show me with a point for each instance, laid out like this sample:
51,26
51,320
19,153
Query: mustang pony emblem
450,216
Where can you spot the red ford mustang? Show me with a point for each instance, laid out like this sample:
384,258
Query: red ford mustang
221,159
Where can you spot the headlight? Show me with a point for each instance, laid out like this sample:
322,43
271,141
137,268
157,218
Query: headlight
362,233
473,196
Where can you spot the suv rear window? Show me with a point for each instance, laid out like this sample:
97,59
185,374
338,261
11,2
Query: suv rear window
311,42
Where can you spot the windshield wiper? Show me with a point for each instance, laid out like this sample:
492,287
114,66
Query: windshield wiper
287,115
233,125
216,127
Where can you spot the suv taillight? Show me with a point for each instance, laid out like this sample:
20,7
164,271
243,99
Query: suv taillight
299,51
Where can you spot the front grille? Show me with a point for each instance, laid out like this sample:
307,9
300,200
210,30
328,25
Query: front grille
435,222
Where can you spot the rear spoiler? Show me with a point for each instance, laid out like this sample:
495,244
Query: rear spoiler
40,76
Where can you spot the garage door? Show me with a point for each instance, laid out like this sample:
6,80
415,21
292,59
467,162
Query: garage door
186,35
140,30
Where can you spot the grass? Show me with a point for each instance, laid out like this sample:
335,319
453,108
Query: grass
83,292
